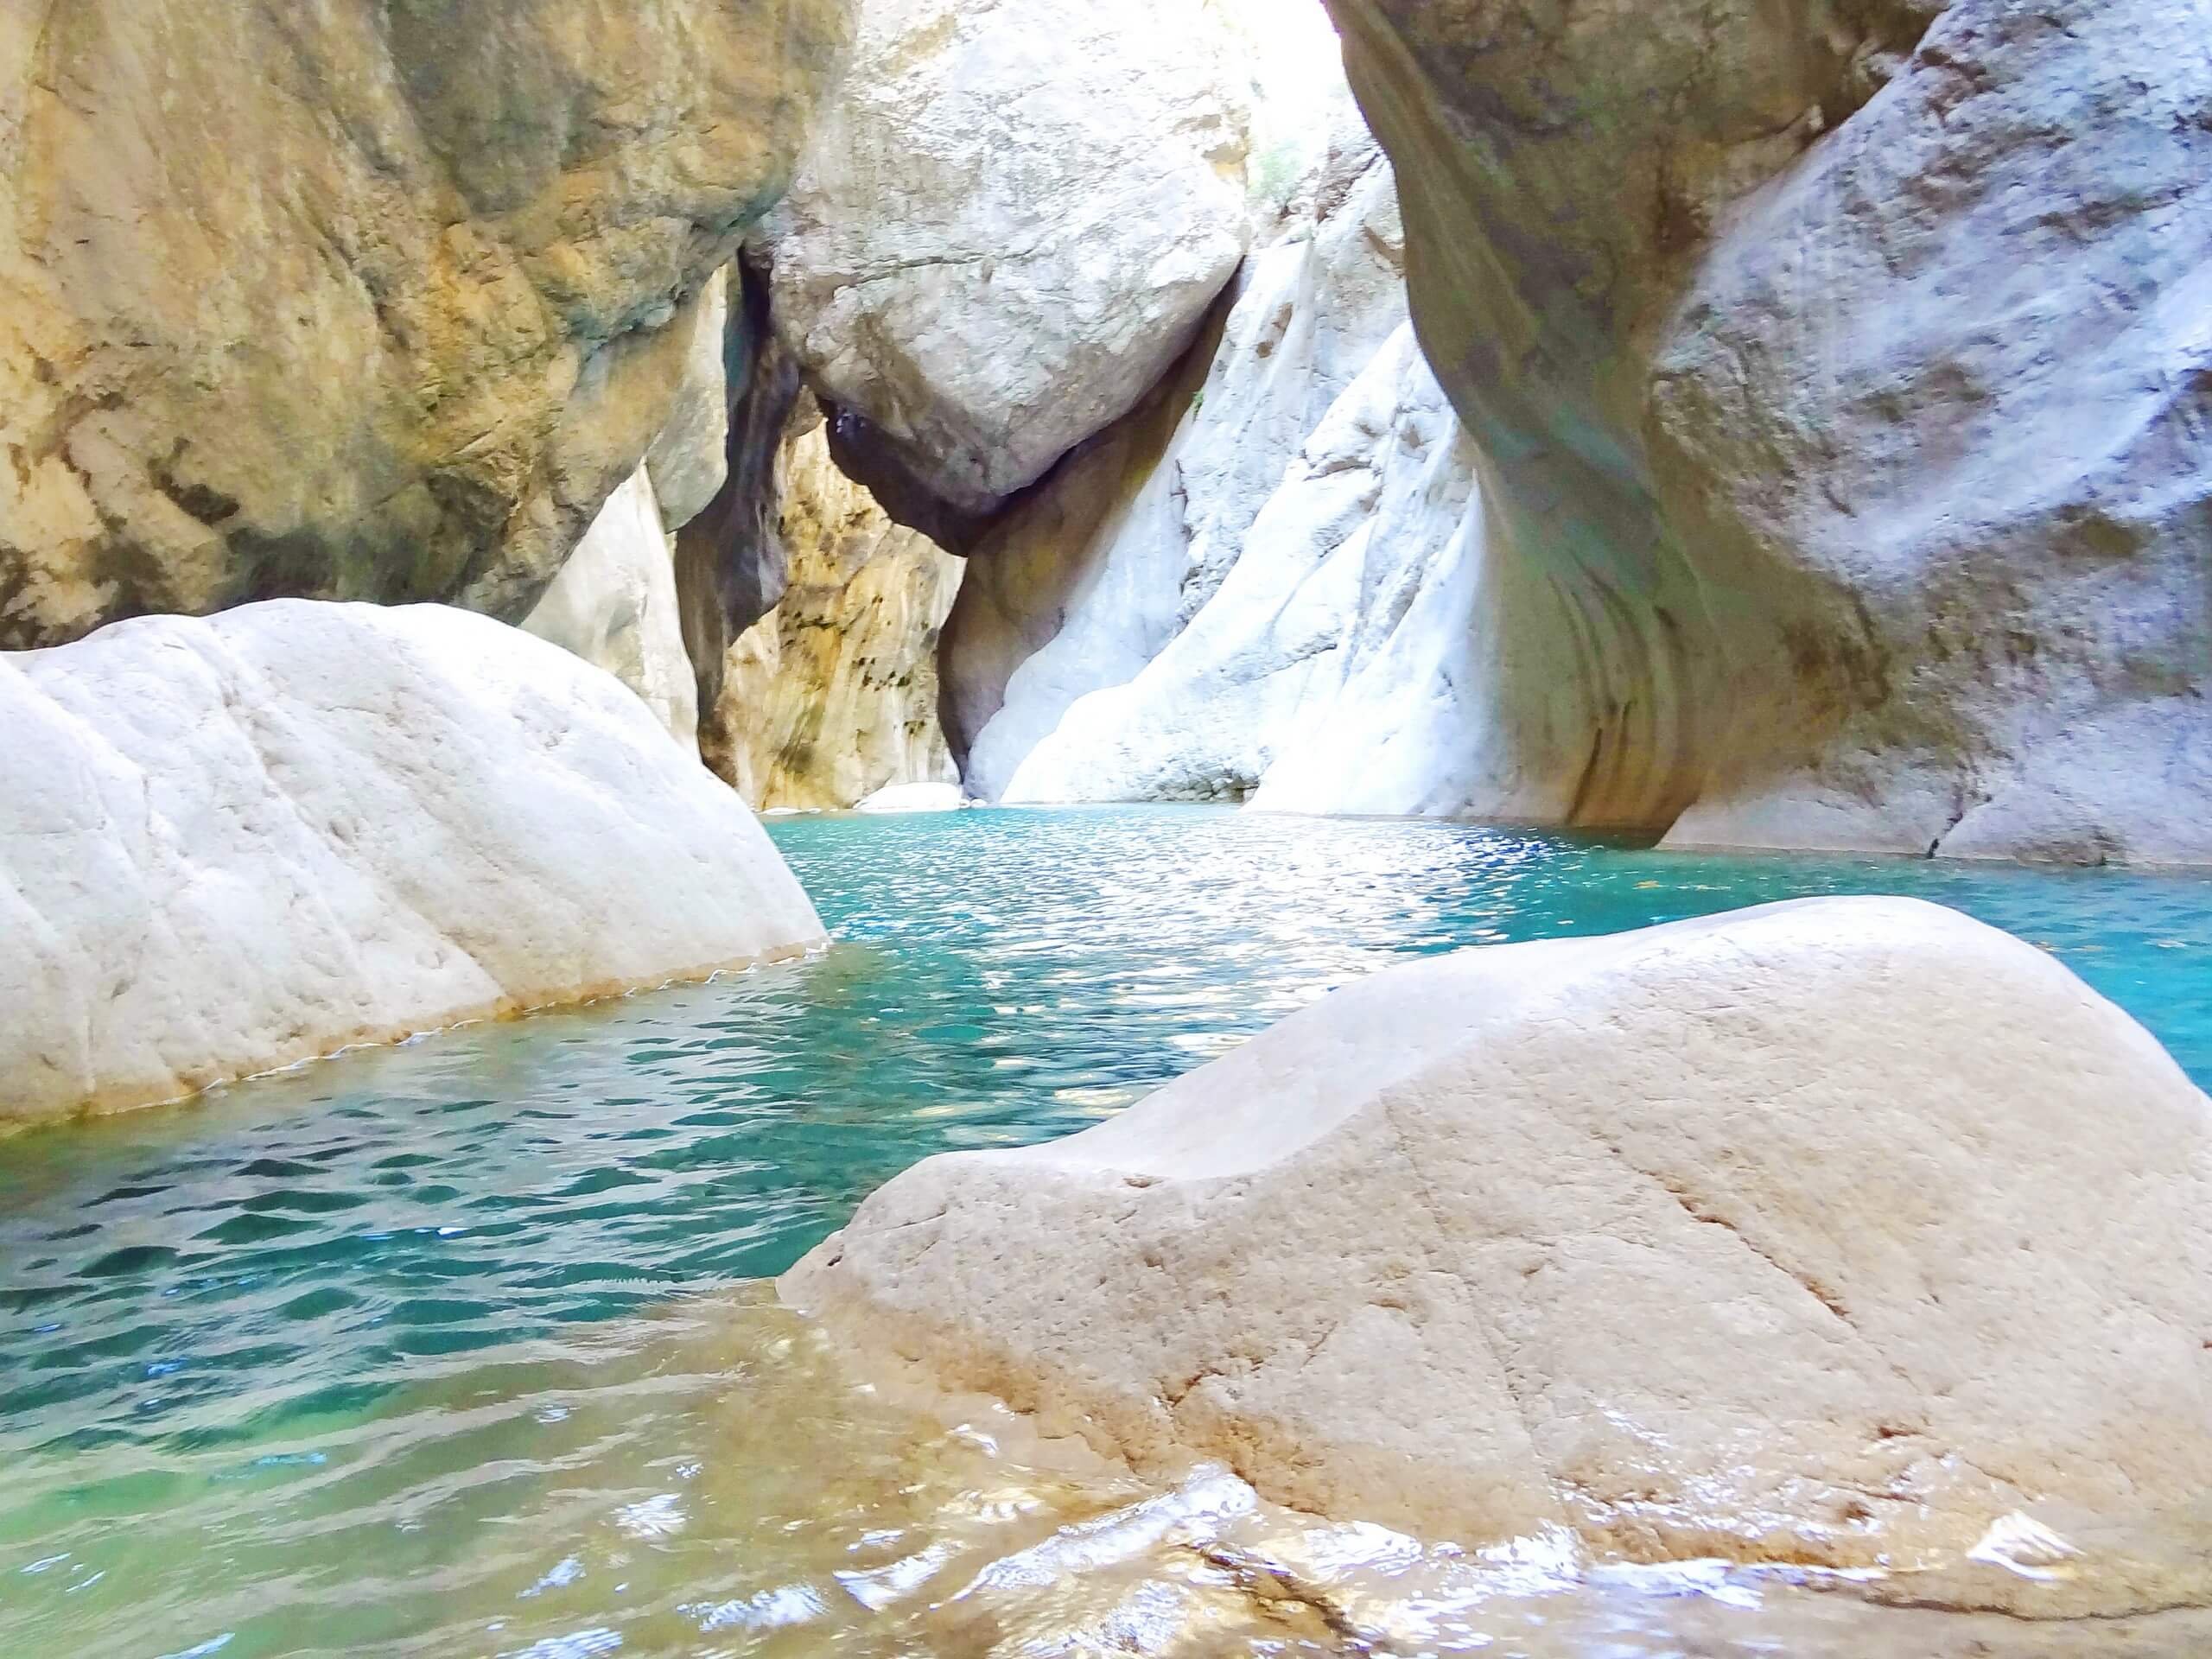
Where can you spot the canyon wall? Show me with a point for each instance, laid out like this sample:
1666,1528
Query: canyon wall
1843,391
368,300
832,696
614,604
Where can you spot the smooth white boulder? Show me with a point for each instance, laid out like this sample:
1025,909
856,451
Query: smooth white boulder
1009,224
234,844
1832,1232
614,604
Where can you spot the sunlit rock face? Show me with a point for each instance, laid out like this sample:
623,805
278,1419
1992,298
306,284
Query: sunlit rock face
1326,630
1832,1233
361,299
614,605
1009,224
233,845
1842,378
832,697
1270,585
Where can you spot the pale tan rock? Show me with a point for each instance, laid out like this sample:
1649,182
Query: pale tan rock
832,696
614,604
689,461
1839,373
359,299
1832,1232
233,845
1009,224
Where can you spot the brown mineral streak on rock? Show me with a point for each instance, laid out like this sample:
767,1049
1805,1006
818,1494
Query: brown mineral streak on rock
371,301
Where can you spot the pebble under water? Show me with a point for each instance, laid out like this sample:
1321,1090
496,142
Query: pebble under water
451,1349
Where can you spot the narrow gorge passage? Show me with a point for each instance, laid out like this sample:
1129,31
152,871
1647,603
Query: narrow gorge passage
1106,828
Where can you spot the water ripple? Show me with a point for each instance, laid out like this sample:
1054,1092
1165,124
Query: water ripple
328,1360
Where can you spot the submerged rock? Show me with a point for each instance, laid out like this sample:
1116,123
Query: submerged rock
1008,226
355,299
1843,384
1831,1233
231,844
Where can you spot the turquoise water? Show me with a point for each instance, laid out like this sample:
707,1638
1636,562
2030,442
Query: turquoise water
352,1359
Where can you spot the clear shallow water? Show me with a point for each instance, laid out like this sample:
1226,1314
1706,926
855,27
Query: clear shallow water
429,1350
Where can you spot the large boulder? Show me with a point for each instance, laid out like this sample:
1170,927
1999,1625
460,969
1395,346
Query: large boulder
233,845
1009,224
374,299
1842,376
1831,1233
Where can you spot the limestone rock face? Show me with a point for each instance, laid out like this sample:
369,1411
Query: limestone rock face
233,845
1828,1233
1317,677
1008,226
374,300
1048,611
614,605
832,697
1842,378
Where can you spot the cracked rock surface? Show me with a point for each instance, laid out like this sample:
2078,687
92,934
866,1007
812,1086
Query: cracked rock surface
233,845
1830,1233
